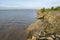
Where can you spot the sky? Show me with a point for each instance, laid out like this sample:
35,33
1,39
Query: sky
28,4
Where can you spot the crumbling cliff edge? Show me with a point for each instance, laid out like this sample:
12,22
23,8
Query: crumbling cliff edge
47,26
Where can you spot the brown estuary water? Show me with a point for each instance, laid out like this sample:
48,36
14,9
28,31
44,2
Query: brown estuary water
19,19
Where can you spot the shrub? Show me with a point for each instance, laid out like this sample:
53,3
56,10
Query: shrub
43,10
57,8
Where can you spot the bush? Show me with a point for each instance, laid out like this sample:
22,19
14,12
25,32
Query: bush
57,8
43,10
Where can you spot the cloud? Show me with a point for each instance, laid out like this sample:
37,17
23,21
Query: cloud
29,3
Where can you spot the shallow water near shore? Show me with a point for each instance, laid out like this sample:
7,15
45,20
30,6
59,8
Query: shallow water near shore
19,19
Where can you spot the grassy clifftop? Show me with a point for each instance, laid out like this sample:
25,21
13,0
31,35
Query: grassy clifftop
47,25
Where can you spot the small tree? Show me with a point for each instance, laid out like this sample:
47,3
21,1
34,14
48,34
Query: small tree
52,8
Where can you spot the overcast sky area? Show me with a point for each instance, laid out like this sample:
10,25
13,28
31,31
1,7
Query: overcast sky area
28,4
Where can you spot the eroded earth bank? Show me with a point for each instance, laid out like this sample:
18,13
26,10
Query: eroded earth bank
46,27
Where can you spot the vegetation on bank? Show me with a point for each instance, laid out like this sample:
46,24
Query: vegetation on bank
50,9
